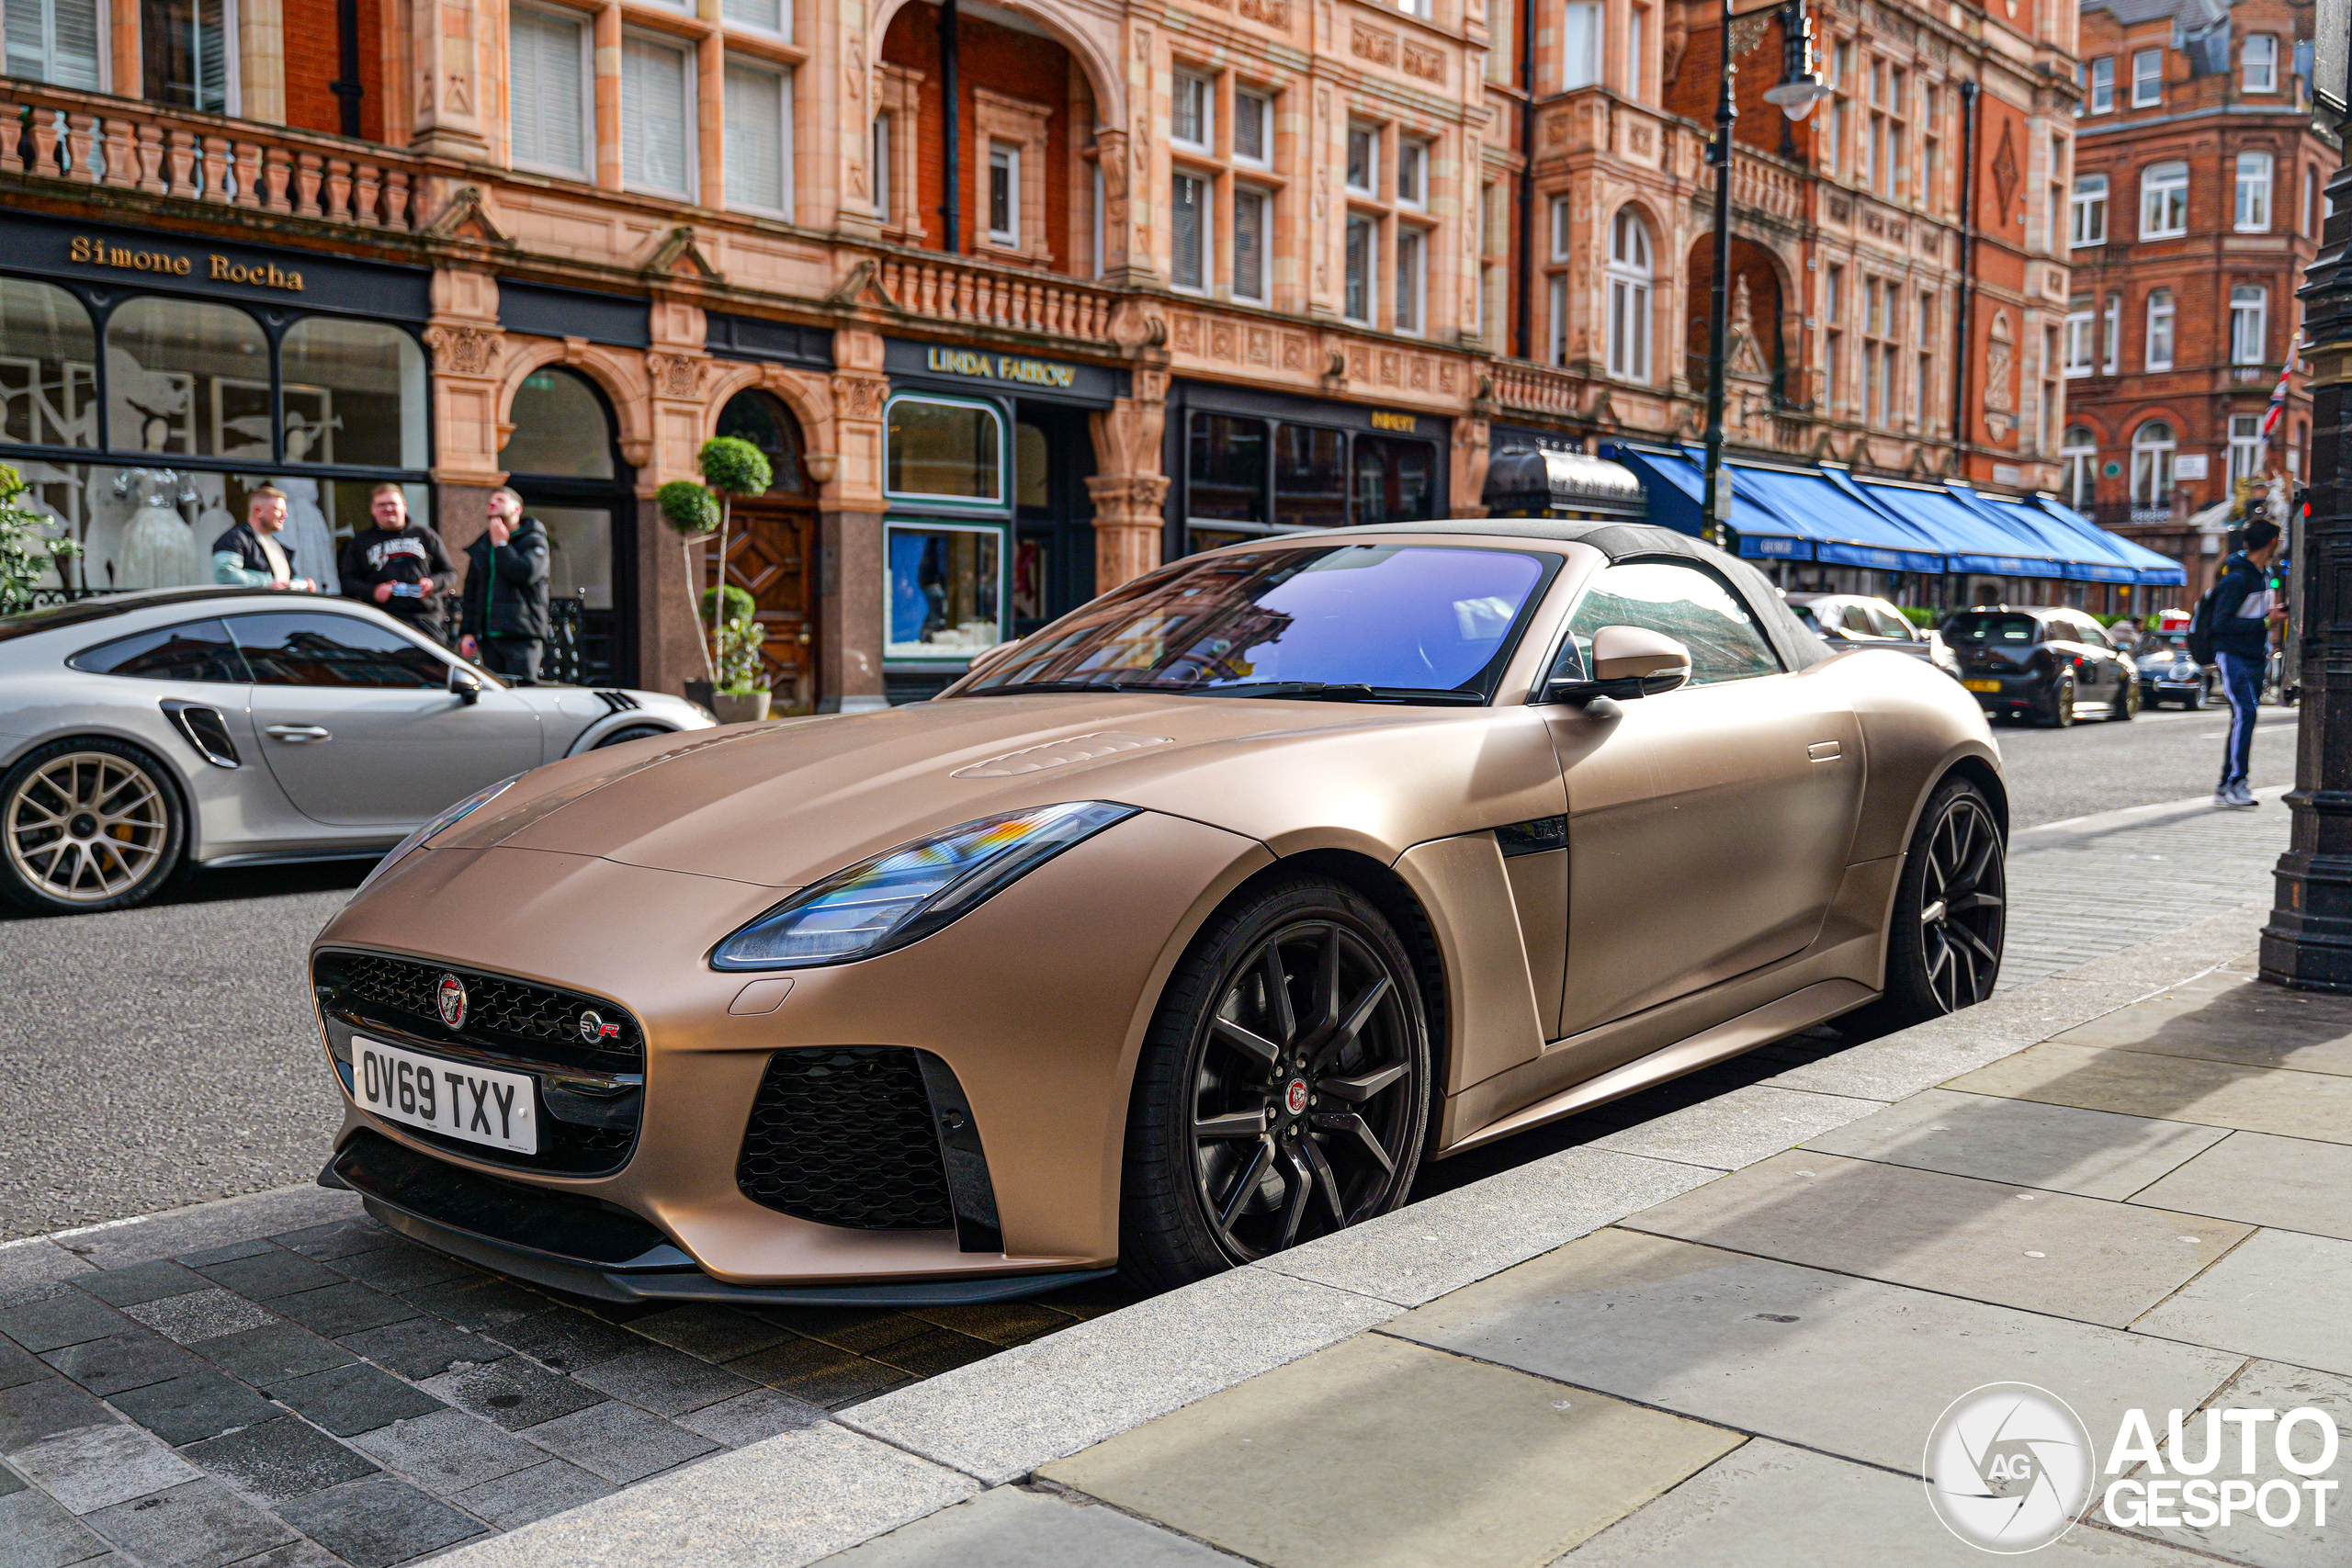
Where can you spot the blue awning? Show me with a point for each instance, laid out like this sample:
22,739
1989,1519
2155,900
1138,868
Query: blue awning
1971,541
2153,569
1781,513
2086,556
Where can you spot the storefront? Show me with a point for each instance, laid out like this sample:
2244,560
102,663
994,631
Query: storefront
149,382
988,532
1247,464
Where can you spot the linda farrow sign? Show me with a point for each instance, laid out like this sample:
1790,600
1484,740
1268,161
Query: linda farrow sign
94,252
1002,367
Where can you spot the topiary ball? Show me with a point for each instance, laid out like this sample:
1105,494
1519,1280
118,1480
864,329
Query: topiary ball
690,508
733,464
741,605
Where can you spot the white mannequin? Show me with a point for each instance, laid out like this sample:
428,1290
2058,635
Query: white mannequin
158,547
308,533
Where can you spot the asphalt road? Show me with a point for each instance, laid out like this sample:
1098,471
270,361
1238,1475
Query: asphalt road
164,1055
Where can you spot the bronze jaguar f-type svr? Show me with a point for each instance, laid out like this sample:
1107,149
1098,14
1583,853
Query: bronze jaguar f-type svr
1175,934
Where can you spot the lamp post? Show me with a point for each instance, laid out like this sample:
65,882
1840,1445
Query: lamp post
2308,941
1798,89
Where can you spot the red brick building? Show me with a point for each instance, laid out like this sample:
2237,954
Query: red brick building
2196,205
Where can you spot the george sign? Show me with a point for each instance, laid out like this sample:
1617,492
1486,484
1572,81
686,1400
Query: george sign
1384,420
2190,466
94,249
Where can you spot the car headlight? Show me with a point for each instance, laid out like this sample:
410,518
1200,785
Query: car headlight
448,818
903,895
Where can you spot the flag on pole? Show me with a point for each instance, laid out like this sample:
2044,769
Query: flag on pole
2279,394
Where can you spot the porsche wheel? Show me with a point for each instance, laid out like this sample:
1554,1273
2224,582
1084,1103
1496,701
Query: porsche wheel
88,824
1950,910
1283,1091
2126,705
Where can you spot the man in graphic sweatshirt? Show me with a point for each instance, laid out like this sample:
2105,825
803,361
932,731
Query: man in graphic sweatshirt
397,566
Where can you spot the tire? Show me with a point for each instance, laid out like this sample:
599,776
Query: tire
632,732
2126,705
88,824
2195,698
2060,713
1940,958
1266,1115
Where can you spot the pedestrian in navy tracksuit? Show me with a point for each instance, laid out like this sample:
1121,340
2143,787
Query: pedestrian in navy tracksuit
2244,606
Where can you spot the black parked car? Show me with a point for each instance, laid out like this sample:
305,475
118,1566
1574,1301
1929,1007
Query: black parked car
1851,620
2043,662
2168,674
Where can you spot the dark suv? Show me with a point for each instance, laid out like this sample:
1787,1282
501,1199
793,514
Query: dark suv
2045,662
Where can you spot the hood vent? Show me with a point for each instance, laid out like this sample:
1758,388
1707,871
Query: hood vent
1058,753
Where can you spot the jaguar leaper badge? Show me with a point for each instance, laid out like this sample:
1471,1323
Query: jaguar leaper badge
450,997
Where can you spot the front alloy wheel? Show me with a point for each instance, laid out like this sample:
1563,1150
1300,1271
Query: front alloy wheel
1284,1092
1943,953
2062,703
88,825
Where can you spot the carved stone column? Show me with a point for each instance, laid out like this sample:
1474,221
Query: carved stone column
1467,497
849,557
447,58
469,360
1129,490
1111,154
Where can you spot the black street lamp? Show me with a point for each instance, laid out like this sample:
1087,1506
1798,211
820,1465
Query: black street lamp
1798,89
2308,943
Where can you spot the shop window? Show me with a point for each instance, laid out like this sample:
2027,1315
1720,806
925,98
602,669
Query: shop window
760,419
952,450
57,42
759,138
560,429
1032,473
353,394
49,391
187,379
546,102
1226,469
945,588
1394,481
183,53
657,134
1310,476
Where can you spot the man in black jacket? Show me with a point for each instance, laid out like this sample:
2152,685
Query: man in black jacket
251,553
2244,605
397,566
505,621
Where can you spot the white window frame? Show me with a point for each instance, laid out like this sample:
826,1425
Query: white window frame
1004,155
879,132
689,124
1263,113
2078,463
2086,212
1584,29
1265,198
101,57
1371,134
784,17
2163,326
2249,323
1004,457
2111,332
2082,342
1563,232
1208,232
2245,446
2102,95
1415,8
2258,68
1185,84
1413,281
2251,206
1370,282
1631,284
1558,322
2158,453
2147,78
587,166
784,133
2160,183
1414,153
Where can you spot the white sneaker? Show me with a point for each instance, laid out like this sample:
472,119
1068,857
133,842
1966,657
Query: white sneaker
2224,798
2245,794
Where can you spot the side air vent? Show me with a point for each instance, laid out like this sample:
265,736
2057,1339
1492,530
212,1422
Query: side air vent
205,730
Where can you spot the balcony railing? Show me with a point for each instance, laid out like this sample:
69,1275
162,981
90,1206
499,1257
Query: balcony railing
985,294
1538,389
54,133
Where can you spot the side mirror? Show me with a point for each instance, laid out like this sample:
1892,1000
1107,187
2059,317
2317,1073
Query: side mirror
1627,662
464,685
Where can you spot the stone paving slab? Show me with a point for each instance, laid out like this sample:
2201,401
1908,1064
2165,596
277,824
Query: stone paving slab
1738,1128
1025,1527
2285,1183
2062,1148
2178,1088
1379,1453
2248,1023
2048,1252
1849,1367
2279,1296
2274,1385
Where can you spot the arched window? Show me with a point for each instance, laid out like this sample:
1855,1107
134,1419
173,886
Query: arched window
48,387
560,428
2160,315
355,393
187,379
762,420
2079,454
2152,447
1629,297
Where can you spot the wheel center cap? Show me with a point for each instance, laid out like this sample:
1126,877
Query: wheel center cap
1295,1097
84,826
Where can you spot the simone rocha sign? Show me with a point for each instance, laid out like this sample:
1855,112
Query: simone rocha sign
93,251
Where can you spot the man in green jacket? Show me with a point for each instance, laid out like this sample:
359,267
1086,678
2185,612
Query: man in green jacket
505,625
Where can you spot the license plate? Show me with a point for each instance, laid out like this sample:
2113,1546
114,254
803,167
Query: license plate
481,1105
1982,685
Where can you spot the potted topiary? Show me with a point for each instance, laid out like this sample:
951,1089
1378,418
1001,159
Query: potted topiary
740,693
694,512
731,466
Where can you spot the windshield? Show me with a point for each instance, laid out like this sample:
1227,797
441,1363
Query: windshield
2013,629
1365,622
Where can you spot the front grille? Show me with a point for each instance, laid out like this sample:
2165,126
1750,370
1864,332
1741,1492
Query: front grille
844,1136
517,1017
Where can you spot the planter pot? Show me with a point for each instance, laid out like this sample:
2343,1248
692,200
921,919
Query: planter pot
740,707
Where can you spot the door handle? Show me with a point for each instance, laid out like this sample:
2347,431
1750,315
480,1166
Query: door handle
1825,752
297,734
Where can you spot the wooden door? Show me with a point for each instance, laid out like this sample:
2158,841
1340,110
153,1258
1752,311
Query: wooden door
771,553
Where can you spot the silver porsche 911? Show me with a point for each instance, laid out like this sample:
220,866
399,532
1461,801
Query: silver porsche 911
215,727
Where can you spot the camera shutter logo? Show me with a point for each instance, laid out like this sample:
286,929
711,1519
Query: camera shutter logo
2009,1467
450,997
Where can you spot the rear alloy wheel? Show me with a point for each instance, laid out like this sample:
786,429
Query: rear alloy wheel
1950,910
2061,712
1285,1090
2126,704
89,824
